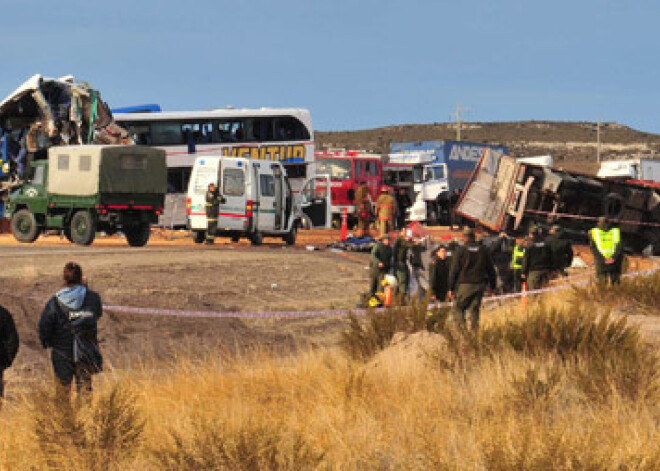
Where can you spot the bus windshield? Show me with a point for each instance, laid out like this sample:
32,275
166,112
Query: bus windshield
337,169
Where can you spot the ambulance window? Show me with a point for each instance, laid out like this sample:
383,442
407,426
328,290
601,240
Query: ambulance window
233,182
374,169
267,185
358,169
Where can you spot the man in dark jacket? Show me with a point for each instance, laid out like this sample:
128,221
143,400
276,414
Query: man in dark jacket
562,251
213,201
439,274
537,262
380,262
402,245
68,325
472,268
8,344
402,204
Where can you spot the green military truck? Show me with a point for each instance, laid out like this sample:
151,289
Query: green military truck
80,190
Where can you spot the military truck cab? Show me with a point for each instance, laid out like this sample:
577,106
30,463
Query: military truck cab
82,190
258,198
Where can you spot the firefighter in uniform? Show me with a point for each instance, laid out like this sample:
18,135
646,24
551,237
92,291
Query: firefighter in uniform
380,263
402,244
213,201
537,262
385,209
517,258
607,249
362,209
472,268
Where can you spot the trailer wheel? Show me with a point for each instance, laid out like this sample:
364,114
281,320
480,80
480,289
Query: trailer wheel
83,228
290,238
138,235
199,236
24,226
256,238
235,238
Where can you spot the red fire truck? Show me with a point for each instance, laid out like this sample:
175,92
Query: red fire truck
346,170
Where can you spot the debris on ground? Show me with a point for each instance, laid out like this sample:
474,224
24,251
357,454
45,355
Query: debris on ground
354,244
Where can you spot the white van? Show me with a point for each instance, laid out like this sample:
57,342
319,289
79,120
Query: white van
259,201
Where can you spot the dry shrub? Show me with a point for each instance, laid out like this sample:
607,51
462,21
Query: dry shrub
98,435
639,292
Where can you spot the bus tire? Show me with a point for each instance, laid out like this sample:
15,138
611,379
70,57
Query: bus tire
83,228
24,226
256,238
235,238
137,235
290,238
199,236
613,206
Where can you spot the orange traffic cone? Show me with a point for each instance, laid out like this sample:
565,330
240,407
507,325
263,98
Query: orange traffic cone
388,296
344,225
523,299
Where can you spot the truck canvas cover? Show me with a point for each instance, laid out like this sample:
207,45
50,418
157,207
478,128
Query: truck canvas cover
92,169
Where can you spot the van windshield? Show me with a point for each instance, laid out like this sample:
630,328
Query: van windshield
336,168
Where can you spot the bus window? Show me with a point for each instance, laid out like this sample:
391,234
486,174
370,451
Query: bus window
258,130
177,179
139,133
164,133
230,131
289,129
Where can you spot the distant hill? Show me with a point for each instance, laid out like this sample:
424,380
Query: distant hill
571,144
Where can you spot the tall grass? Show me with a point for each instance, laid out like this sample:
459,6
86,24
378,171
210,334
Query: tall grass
641,293
553,387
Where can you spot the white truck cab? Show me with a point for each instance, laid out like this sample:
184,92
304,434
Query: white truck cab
631,169
258,203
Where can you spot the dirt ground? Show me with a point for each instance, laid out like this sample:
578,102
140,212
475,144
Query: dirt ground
174,273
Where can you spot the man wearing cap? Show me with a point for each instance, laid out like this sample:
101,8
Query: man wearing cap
562,251
385,207
213,201
380,262
472,269
607,249
362,208
537,262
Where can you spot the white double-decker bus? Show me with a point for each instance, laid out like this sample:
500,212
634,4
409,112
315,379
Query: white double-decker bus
278,134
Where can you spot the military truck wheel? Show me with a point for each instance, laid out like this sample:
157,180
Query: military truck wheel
199,236
83,228
24,226
138,235
67,234
290,238
256,238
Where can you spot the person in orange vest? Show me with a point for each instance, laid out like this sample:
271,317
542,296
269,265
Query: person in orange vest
362,209
385,209
607,249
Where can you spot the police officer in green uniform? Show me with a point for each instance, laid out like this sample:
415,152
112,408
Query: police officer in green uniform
380,263
562,251
472,269
537,262
607,249
517,258
213,201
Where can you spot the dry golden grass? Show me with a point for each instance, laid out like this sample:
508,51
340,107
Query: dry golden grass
552,387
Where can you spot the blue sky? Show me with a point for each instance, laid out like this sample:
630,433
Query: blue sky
354,64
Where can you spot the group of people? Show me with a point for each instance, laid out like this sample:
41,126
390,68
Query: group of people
68,327
462,271
389,210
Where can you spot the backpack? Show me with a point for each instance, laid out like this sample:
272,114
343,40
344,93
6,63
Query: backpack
82,325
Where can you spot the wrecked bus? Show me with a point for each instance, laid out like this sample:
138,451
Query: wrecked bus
508,194
276,134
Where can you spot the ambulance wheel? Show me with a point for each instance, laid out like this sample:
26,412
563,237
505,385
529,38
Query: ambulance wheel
83,228
235,238
199,236
138,235
290,238
24,226
256,238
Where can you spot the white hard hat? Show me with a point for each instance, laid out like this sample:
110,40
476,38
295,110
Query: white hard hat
390,280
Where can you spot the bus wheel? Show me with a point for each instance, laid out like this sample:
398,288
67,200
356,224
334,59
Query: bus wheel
24,226
235,238
83,228
137,235
290,238
199,236
256,238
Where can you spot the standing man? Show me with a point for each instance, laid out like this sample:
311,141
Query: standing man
562,251
402,204
68,326
362,208
517,258
380,263
537,262
213,201
439,274
607,249
385,206
400,250
8,344
472,268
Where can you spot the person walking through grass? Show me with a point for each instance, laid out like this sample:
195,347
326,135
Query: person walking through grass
68,326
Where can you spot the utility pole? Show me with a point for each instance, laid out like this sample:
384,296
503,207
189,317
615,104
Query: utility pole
458,121
598,141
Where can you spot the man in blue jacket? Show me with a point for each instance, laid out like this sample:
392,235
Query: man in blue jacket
68,326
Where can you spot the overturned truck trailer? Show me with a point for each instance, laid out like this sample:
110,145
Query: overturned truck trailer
506,194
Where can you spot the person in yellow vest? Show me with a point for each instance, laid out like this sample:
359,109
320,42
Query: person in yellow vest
607,249
362,209
385,209
517,258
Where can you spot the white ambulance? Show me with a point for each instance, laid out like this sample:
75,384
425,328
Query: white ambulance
259,201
